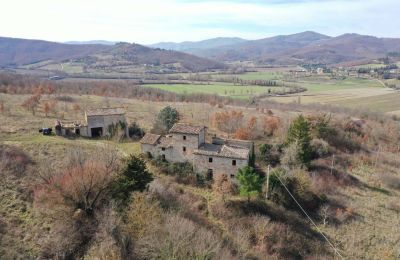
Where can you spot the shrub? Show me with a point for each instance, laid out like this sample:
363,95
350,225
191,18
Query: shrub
271,124
320,148
32,103
179,238
222,185
270,154
65,99
14,160
298,183
142,213
227,121
84,185
290,158
135,132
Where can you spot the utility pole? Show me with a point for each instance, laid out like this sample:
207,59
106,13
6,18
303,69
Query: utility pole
333,162
266,195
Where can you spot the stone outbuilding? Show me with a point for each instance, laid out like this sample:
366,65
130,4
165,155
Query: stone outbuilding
98,123
187,143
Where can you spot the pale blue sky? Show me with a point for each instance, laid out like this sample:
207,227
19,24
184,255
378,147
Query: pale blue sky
152,21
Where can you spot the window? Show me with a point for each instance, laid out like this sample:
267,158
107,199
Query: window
184,137
210,159
184,149
163,148
163,156
232,176
234,162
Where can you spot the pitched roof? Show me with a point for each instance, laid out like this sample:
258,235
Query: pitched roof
150,139
166,141
181,128
224,150
105,111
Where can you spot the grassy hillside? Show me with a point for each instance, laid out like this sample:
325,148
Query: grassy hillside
359,214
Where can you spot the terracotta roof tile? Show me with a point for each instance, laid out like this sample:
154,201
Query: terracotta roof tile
224,150
150,139
181,128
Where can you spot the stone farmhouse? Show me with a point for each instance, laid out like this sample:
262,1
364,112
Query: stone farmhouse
98,123
186,143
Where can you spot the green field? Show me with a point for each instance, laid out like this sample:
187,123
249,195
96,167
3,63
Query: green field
222,89
333,84
262,75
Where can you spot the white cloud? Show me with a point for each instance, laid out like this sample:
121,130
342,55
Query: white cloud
162,20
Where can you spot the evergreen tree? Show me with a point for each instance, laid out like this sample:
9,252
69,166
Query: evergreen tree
250,182
134,177
166,118
299,133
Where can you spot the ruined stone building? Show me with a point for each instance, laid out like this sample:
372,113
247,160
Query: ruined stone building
98,123
186,143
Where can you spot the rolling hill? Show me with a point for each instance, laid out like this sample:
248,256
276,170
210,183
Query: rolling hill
102,42
305,47
18,52
195,47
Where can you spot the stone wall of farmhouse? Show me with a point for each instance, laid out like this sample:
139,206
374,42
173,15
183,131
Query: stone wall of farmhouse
148,148
183,148
219,165
157,151
202,136
104,121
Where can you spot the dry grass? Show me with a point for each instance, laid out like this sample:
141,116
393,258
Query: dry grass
368,207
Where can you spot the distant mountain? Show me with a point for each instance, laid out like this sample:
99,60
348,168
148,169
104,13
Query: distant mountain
345,48
195,46
17,52
263,49
91,42
306,47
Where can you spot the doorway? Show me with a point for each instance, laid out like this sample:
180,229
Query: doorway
209,174
96,131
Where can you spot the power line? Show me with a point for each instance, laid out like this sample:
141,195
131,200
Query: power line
319,230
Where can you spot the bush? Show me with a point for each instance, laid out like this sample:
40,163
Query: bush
320,148
178,238
135,132
298,183
14,160
270,154
290,158
142,213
